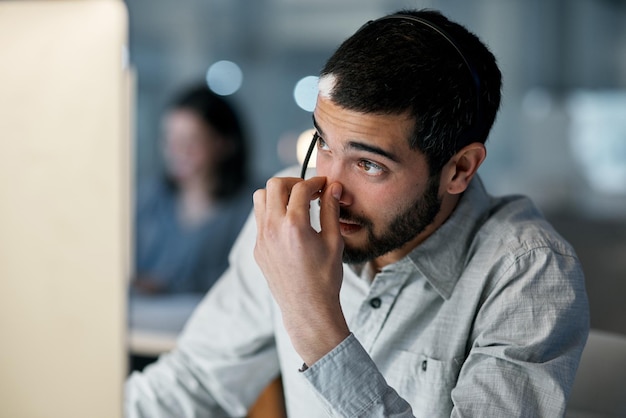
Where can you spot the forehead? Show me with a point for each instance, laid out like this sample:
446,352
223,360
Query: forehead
182,115
336,123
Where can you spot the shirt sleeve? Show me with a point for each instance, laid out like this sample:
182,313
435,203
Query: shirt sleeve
229,339
527,340
349,384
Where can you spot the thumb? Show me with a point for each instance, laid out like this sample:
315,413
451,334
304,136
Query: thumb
329,210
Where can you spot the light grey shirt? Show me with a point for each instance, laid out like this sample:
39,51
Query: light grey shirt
486,318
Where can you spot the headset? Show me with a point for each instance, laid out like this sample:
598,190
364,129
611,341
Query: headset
477,122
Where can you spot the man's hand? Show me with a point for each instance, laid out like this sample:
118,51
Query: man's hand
302,266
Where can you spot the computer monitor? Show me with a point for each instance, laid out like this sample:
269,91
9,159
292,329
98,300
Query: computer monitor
64,207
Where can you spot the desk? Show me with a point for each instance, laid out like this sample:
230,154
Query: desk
156,321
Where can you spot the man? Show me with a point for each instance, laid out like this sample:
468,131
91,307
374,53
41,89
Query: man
417,293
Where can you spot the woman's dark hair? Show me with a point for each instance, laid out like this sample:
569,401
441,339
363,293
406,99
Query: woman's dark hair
432,68
232,171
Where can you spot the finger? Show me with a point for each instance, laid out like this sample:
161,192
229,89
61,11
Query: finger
329,211
258,199
278,191
302,194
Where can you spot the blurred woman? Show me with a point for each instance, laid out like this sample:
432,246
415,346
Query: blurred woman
187,222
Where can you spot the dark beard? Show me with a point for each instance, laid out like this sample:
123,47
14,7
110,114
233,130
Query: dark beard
406,226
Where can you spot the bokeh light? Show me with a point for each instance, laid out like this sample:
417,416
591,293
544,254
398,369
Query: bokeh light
224,77
305,93
304,140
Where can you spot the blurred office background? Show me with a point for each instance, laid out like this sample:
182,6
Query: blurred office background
560,136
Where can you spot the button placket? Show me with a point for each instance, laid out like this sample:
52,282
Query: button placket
376,306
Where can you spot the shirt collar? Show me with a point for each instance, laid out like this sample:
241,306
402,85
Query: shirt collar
442,257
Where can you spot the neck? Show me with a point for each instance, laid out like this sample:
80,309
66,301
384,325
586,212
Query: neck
195,201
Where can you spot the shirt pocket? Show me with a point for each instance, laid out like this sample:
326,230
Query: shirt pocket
424,382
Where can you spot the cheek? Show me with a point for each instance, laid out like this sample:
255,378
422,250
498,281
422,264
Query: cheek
197,153
382,204
188,159
372,202
379,204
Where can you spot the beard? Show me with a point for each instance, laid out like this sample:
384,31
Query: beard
410,222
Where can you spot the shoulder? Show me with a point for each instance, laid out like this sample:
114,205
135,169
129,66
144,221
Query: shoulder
151,194
516,224
516,244
151,188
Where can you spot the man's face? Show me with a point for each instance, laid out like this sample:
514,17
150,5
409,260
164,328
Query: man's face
388,201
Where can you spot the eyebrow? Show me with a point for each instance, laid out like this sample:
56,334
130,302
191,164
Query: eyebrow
360,146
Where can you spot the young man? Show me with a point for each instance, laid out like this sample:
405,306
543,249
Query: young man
417,293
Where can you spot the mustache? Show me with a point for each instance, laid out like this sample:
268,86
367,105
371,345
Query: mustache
348,216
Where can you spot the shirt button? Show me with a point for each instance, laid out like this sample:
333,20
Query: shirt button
375,303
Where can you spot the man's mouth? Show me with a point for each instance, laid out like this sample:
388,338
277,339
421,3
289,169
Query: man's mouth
348,227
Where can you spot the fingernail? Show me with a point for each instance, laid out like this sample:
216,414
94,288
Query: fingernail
336,191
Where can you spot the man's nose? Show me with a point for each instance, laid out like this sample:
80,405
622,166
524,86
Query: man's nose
336,174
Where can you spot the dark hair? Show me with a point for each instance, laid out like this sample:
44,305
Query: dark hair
430,69
218,113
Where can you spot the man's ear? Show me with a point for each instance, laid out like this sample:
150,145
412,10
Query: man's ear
459,171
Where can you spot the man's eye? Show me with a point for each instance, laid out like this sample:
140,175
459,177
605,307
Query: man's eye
370,167
321,144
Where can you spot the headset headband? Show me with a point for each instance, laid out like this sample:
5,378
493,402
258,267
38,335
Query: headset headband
445,35
477,123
